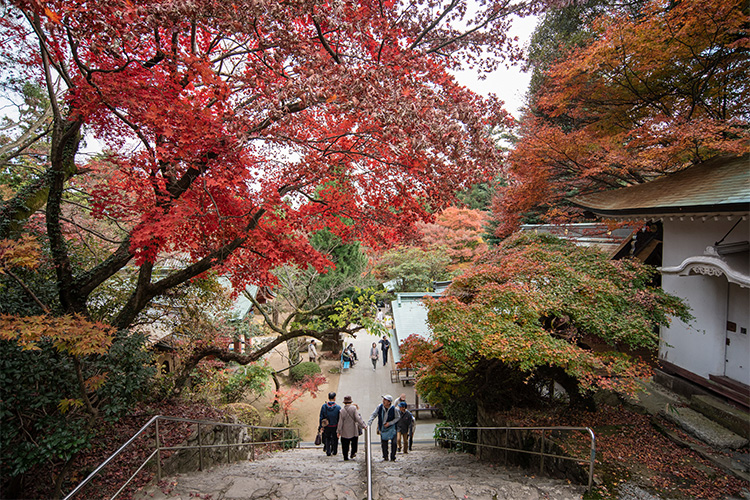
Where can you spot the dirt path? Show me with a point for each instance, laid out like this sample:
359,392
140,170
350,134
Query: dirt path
305,410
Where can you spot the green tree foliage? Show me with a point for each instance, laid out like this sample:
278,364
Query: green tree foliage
413,269
43,419
250,380
540,310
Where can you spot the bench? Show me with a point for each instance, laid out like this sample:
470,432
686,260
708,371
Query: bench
402,375
416,410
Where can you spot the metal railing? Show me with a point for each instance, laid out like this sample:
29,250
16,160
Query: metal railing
443,434
368,461
159,448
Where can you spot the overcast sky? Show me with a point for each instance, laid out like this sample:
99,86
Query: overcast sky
508,84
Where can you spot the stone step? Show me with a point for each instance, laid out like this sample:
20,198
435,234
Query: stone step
423,474
703,428
732,418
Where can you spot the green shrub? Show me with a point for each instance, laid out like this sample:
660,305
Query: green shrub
252,378
245,413
300,371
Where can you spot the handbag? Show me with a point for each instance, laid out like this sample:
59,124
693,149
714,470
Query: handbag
318,438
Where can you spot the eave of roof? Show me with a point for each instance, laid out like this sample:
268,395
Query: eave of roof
718,186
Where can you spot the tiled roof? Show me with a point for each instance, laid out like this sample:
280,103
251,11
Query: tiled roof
596,234
720,185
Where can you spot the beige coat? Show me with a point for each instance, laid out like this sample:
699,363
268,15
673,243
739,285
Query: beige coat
350,422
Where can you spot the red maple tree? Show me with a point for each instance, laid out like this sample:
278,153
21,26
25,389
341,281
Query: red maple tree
236,129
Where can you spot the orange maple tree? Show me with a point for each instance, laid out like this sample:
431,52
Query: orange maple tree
653,91
539,310
459,232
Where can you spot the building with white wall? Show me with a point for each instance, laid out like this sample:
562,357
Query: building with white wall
704,212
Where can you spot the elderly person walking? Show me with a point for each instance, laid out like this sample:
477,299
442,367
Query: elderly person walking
349,427
388,416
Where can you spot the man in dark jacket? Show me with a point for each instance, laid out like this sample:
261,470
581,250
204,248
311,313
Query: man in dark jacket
405,427
384,346
329,415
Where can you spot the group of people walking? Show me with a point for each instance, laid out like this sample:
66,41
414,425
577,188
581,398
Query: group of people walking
395,426
385,345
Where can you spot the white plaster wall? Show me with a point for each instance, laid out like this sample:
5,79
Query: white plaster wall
688,238
699,345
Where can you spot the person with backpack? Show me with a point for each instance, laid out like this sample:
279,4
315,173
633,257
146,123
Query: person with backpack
404,427
388,417
349,428
329,421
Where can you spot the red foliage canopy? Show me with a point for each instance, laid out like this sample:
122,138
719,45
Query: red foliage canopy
238,128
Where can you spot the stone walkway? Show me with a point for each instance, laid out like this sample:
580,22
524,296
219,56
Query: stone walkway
427,473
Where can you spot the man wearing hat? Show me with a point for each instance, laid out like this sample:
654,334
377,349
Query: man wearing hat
349,427
329,421
388,416
405,427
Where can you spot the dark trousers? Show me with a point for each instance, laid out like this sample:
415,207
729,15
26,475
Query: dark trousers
330,441
345,442
385,356
384,445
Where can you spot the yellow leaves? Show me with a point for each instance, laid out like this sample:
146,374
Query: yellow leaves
23,252
65,404
73,335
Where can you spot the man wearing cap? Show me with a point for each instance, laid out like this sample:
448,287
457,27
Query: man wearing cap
388,416
329,421
350,425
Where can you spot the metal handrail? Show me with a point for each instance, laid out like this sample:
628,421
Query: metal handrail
154,421
541,453
368,461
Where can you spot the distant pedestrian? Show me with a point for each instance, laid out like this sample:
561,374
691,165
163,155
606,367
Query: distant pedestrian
329,421
312,352
388,417
349,427
374,356
405,427
384,346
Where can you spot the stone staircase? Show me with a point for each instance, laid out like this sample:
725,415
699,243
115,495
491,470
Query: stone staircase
426,473
724,428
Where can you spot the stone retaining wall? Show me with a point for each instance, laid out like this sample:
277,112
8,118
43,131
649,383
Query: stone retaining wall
554,443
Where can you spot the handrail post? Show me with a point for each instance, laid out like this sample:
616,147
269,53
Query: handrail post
158,452
229,458
507,445
541,456
593,458
200,448
368,461
252,443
